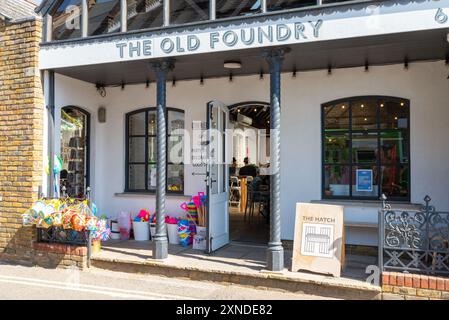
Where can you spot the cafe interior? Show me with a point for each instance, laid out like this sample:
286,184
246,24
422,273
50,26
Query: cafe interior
249,192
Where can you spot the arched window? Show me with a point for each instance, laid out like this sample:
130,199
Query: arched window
365,147
74,176
141,155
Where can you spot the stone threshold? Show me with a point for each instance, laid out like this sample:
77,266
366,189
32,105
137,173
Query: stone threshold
303,283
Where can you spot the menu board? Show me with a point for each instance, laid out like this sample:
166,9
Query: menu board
318,244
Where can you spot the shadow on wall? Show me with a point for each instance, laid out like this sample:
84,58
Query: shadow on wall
19,248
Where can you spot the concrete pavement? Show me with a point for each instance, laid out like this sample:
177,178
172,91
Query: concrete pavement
20,282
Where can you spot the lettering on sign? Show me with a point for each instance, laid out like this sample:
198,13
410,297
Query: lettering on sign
441,17
219,40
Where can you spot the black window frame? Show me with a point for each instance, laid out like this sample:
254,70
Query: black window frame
147,163
379,99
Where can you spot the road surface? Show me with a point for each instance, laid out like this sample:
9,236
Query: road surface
24,283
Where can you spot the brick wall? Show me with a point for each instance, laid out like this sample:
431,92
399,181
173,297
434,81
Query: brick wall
21,135
397,285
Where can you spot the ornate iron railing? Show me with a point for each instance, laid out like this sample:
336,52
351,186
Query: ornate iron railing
414,240
61,235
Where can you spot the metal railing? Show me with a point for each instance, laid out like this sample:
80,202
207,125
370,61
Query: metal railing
415,241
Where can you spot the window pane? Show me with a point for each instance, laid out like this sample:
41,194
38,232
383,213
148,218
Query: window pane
67,20
364,181
234,8
364,115
394,147
137,124
394,115
152,149
175,122
143,14
104,16
175,149
185,11
337,116
137,149
336,180
364,147
152,182
336,148
152,125
136,177
273,5
175,177
395,181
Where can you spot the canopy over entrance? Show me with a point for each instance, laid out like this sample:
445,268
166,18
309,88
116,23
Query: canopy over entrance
378,50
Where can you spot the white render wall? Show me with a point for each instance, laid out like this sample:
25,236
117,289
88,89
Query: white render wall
424,84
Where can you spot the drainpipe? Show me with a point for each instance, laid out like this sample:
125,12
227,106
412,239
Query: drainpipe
160,243
275,251
49,88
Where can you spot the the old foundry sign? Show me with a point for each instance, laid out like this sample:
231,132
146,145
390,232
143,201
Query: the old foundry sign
275,31
220,40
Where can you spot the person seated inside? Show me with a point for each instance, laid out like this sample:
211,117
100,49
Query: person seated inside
248,169
233,167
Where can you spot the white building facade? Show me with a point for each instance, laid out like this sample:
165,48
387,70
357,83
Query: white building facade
364,92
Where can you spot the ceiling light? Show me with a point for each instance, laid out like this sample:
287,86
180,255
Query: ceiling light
232,64
381,105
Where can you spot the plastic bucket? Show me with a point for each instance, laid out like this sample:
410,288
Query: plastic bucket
141,231
173,236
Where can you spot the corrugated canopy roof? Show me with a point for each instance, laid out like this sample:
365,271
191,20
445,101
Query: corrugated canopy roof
12,10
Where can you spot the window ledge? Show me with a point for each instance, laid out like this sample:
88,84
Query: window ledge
369,203
146,194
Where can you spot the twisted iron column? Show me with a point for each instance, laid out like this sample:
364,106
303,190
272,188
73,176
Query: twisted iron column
160,242
275,251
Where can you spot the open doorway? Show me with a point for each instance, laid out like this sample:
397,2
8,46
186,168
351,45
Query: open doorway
249,192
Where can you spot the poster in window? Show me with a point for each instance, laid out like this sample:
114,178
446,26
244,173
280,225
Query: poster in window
364,180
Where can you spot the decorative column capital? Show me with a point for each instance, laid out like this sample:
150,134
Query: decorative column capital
162,67
275,56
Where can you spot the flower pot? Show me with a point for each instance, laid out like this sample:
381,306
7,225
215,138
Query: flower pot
173,236
141,231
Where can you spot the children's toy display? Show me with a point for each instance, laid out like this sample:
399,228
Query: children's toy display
68,214
196,220
184,233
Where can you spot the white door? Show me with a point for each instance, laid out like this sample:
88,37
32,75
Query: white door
218,153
